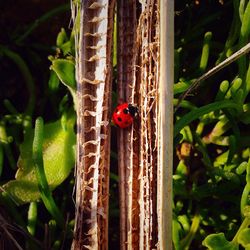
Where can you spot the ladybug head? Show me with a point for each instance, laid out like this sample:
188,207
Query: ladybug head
133,110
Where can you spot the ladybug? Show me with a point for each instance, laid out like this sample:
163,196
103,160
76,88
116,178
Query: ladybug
124,115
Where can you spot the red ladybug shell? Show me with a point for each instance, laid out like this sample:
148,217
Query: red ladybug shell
124,114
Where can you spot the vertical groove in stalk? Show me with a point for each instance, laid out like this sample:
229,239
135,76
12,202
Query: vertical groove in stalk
126,11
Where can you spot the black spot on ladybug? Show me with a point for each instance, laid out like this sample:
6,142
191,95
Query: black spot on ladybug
125,111
119,119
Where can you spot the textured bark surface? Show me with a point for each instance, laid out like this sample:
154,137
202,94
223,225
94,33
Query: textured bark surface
138,68
142,179
129,224
93,73
149,62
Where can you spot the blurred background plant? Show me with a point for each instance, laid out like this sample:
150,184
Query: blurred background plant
211,176
35,160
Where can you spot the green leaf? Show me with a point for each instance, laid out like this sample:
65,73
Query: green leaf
245,116
241,168
232,149
58,157
198,112
222,90
181,86
61,38
246,213
236,84
244,238
205,51
176,228
65,70
219,242
64,43
221,159
66,48
53,81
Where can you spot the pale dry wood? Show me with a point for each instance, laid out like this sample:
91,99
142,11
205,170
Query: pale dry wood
93,74
165,132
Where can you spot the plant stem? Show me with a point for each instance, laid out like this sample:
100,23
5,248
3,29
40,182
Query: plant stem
44,18
246,191
9,106
185,104
21,64
45,191
32,218
189,237
6,146
244,224
165,125
244,50
244,37
175,233
205,51
196,113
1,159
9,205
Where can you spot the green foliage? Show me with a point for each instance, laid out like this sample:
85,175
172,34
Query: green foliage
219,242
58,157
37,163
211,177
212,167
65,70
244,238
199,112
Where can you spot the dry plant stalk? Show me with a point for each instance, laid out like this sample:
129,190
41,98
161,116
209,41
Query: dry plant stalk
142,212
127,154
165,123
141,149
93,74
138,67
